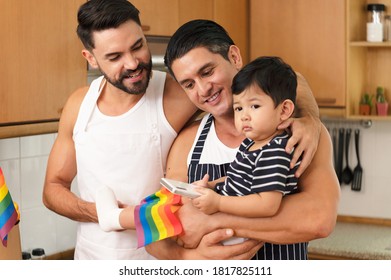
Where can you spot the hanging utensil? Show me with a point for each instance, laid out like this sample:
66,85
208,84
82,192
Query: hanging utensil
347,173
357,172
341,134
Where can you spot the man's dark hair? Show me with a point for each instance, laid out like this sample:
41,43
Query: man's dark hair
271,74
97,15
197,33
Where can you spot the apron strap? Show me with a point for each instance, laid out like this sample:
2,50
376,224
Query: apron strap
199,147
89,103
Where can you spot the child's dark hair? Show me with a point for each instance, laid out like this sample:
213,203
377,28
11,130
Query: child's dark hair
97,15
197,33
271,74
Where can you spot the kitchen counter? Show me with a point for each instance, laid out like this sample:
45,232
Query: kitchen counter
353,241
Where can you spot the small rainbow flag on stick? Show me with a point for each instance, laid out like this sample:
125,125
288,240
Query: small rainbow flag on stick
155,217
9,215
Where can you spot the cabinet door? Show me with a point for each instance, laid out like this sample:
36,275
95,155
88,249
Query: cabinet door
41,61
233,16
195,9
310,36
158,17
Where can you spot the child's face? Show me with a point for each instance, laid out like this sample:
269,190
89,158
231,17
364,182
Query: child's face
255,114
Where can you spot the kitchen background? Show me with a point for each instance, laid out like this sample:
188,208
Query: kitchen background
328,47
23,160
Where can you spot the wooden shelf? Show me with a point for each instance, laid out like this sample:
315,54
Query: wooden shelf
368,63
370,117
28,129
370,44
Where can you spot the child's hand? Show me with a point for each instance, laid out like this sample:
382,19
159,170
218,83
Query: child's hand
208,201
202,183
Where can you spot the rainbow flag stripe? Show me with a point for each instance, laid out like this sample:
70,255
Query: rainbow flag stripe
155,217
8,213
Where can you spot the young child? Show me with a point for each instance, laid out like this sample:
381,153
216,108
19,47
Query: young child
264,95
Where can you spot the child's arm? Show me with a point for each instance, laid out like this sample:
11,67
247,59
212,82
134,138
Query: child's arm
265,204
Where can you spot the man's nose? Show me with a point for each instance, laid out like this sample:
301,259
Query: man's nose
131,62
204,88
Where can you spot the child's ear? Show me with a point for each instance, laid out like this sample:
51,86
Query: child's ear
287,108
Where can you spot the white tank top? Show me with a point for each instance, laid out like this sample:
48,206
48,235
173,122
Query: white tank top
214,150
126,153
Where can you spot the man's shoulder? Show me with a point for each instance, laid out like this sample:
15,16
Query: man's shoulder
72,106
171,85
77,97
190,129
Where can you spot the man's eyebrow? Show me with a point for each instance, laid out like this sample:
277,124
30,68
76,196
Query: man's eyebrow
137,43
209,64
116,53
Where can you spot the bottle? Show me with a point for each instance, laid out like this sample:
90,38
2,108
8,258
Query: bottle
38,254
375,22
26,256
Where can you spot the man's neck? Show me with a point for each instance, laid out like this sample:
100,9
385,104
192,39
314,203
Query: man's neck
227,132
115,102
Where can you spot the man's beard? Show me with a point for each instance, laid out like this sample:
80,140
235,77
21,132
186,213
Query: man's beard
138,87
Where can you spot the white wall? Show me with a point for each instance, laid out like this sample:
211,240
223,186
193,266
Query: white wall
24,160
374,200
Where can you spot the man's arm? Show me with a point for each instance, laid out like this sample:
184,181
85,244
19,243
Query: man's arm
209,248
61,168
306,126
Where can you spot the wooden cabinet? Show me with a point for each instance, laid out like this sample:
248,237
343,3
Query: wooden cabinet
310,36
163,17
368,64
158,17
41,63
233,15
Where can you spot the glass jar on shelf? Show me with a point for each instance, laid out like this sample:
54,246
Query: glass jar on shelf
375,22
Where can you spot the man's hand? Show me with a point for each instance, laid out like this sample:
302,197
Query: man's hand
210,247
195,224
305,139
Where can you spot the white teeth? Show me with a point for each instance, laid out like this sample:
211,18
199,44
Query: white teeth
213,97
135,75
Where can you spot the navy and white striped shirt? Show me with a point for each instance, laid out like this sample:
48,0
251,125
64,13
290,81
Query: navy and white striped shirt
262,170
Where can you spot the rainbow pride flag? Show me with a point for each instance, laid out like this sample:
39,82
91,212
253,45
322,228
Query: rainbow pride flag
155,217
9,215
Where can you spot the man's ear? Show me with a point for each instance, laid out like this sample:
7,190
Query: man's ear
287,108
90,58
235,56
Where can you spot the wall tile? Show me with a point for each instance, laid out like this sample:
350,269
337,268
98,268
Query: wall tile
33,175
38,230
36,145
65,233
9,148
